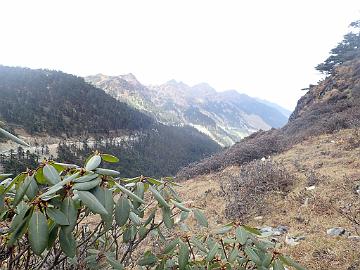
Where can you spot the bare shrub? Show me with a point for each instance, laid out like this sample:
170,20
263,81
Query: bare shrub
354,140
350,208
247,189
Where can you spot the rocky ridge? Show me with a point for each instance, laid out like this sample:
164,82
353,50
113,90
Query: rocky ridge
226,117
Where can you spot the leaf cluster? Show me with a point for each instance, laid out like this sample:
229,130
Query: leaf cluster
47,217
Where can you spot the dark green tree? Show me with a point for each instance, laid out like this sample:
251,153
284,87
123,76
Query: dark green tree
347,49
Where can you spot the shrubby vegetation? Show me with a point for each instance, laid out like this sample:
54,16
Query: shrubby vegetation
62,216
257,145
246,190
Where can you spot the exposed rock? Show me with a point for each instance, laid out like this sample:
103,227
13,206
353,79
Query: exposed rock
270,231
336,231
293,240
266,229
354,238
281,229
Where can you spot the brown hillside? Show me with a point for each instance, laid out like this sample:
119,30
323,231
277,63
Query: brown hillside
330,163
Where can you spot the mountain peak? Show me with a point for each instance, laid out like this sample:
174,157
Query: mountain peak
178,84
203,89
129,78
225,116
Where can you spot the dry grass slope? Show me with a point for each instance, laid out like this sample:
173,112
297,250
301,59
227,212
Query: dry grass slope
331,163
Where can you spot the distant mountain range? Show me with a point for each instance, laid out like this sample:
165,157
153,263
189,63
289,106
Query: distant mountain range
226,117
45,102
284,111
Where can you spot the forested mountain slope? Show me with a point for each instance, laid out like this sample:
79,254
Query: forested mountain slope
57,103
69,110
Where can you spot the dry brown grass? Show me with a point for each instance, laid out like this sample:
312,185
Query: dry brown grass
333,167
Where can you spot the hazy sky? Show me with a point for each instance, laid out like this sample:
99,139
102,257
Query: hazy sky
266,49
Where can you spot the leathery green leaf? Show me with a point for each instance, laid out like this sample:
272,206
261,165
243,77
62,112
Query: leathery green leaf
67,243
20,229
252,255
19,226
129,234
107,172
52,190
19,178
38,232
33,189
92,203
105,197
53,233
2,204
86,178
171,246
200,218
212,252
180,206
233,255
278,265
199,244
87,185
223,230
51,174
288,261
21,211
241,235
57,216
122,211
93,163
143,231
183,258
158,197
168,220
23,187
140,189
252,230
148,259
13,138
135,218
39,176
68,208
129,193
65,165
109,158
150,217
